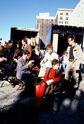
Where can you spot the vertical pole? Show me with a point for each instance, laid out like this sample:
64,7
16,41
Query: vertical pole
55,42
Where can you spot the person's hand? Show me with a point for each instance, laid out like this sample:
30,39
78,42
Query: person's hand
42,63
4,59
49,82
15,60
30,62
1,59
77,68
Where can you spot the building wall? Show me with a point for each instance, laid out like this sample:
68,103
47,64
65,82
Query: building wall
73,17
63,16
77,17
43,23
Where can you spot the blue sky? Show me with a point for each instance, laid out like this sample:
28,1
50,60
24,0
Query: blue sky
22,13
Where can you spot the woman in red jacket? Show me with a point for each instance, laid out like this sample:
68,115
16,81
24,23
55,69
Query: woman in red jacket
52,75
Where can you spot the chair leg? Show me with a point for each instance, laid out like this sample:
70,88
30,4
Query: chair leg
10,84
23,83
17,80
2,84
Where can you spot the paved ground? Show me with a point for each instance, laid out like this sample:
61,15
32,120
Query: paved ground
15,107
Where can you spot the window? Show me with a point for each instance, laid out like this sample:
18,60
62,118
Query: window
67,13
41,27
42,33
37,26
47,26
66,18
60,22
47,29
61,18
61,13
66,22
51,20
47,21
42,20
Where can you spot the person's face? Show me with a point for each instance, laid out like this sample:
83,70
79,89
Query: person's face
56,66
24,56
26,39
49,50
37,47
70,41
66,54
29,55
23,43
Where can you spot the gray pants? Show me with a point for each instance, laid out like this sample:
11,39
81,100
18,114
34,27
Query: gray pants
71,68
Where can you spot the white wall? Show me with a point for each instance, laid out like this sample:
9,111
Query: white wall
77,16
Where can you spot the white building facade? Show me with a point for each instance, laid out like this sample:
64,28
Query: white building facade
77,16
63,16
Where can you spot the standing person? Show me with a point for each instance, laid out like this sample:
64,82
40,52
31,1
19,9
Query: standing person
64,60
24,44
26,39
74,59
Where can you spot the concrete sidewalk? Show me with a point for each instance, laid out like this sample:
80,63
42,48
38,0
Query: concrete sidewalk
71,108
10,96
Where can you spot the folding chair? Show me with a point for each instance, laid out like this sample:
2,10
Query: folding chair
14,81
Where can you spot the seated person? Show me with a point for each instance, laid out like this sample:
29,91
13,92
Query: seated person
23,66
9,51
52,76
46,62
49,56
37,51
4,62
26,71
36,64
16,56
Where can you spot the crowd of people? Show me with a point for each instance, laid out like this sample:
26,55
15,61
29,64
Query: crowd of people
29,63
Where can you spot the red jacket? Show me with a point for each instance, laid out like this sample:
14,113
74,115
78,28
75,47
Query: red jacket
51,75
